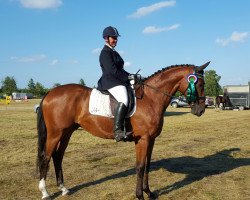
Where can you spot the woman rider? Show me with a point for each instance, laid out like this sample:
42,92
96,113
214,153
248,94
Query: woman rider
114,79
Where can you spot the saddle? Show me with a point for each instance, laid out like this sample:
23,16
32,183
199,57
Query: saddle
102,103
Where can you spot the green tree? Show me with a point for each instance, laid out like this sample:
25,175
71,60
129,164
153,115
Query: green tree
212,86
9,85
24,90
39,90
177,94
81,82
31,86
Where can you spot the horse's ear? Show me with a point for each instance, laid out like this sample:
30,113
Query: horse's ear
202,67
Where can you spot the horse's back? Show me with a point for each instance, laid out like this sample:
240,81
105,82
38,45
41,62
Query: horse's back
70,90
64,103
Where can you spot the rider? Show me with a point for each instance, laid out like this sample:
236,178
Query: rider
114,79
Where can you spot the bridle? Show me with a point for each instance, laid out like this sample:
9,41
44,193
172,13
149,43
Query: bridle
201,76
198,75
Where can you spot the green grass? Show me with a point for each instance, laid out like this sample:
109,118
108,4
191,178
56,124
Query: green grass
204,157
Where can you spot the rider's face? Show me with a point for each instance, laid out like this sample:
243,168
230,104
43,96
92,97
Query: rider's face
112,41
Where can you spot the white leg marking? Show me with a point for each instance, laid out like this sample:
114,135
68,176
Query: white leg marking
64,190
42,188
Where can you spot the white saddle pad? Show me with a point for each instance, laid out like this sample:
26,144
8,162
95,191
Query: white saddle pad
100,104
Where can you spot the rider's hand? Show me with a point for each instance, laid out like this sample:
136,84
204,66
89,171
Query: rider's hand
135,78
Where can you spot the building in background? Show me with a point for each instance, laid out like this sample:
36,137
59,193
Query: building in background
21,96
239,95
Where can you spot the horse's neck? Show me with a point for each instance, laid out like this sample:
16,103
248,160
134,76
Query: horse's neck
163,85
168,81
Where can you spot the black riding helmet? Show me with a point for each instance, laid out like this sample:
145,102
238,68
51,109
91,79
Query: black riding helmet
110,31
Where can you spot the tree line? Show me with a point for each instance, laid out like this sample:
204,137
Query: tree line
9,85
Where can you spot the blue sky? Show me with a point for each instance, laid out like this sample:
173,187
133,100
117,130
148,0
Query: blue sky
59,41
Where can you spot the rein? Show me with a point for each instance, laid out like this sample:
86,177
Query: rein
157,90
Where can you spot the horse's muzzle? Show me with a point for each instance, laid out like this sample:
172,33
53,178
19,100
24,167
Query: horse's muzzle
197,109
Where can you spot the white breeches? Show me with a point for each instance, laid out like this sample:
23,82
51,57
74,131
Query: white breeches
120,94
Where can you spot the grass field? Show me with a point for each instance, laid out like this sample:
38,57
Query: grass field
194,158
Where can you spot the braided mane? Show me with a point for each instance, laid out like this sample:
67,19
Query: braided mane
169,67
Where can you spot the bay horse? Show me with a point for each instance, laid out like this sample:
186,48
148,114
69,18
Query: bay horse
223,101
65,108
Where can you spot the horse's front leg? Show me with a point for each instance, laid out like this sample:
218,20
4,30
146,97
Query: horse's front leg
146,189
141,147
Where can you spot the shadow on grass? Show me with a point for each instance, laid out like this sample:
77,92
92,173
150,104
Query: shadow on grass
194,168
174,113
199,168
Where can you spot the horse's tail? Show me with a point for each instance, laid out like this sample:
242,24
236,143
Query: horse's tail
42,137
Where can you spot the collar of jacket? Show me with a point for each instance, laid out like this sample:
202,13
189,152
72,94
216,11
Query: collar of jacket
110,46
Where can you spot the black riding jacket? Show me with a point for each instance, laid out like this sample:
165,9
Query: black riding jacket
113,73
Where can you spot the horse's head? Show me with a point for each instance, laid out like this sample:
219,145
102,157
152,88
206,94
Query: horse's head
193,86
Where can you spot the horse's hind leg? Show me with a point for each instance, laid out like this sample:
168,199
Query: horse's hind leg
57,159
43,174
51,144
42,186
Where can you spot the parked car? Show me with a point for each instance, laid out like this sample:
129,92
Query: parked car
178,102
36,107
181,102
209,101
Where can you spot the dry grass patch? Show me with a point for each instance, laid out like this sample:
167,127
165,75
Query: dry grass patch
194,158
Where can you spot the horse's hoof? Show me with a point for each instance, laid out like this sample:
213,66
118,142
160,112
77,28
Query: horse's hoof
65,192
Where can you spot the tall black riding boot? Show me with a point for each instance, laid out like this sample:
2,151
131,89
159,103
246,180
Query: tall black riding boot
120,114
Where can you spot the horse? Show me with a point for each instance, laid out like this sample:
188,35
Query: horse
64,109
223,101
